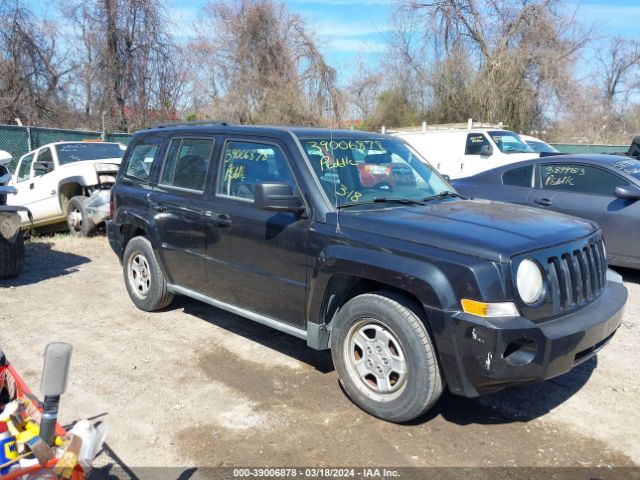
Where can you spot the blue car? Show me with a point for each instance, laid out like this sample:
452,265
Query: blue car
601,188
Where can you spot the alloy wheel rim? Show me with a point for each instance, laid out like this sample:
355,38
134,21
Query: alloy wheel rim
139,275
74,220
376,360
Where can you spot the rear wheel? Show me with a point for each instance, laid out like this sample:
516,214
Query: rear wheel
11,256
384,357
79,223
145,283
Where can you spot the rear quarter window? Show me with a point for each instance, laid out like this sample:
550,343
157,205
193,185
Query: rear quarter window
518,177
141,159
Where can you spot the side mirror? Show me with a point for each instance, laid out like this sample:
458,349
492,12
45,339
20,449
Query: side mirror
42,166
277,196
630,192
5,157
486,150
55,374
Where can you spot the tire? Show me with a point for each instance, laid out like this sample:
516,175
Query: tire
398,379
77,219
11,256
145,283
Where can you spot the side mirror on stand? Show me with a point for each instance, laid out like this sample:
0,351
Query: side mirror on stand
57,358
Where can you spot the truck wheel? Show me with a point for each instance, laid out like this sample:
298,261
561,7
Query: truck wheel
145,283
11,256
384,357
80,225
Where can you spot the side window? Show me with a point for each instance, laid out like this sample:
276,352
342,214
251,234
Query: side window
44,155
580,179
475,141
187,163
24,170
246,164
518,177
141,159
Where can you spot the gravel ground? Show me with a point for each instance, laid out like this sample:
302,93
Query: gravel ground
194,385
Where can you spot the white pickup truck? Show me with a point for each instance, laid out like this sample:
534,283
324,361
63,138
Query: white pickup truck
67,181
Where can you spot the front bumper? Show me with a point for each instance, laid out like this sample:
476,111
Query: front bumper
484,355
97,206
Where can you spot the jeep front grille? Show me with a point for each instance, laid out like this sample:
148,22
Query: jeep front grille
578,276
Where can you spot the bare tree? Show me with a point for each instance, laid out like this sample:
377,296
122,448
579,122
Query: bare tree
131,67
494,60
364,88
259,64
619,70
33,72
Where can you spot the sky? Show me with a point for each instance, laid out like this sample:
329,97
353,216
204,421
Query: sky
356,29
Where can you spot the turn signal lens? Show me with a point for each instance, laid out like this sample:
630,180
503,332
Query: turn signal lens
482,309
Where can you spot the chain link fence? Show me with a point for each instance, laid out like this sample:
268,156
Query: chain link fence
19,140
591,148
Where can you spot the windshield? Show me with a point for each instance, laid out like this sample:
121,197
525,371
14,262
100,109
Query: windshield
360,171
509,142
79,152
541,147
630,166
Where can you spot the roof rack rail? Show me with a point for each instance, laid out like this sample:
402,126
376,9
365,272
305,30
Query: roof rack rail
222,123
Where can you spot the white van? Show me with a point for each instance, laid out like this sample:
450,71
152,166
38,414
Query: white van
465,152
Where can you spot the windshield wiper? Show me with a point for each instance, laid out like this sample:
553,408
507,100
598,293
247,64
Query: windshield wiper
400,201
444,194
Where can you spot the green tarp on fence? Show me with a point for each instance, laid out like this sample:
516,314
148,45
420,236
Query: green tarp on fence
595,148
19,140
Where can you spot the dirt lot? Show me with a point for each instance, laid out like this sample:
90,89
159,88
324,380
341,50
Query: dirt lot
194,385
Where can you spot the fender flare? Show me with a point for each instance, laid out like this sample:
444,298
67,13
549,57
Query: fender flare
427,282
140,219
79,179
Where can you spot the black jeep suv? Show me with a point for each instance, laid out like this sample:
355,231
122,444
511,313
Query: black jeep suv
411,286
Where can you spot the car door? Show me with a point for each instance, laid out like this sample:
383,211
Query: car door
178,202
44,203
472,161
261,255
21,180
587,191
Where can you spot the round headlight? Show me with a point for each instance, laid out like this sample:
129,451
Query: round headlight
529,282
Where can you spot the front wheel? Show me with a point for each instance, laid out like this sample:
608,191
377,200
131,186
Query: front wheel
78,221
145,282
384,357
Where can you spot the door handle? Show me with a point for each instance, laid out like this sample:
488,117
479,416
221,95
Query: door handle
220,219
32,186
545,202
157,206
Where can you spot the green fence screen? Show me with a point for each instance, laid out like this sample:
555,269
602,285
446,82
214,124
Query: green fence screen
594,148
19,140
